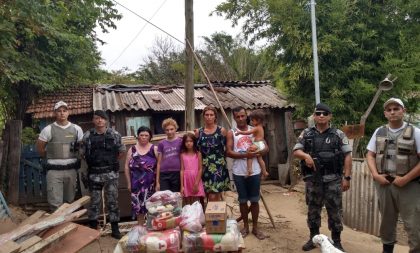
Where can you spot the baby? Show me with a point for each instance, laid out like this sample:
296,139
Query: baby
257,119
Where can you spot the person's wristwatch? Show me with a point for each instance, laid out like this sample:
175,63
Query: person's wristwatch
348,178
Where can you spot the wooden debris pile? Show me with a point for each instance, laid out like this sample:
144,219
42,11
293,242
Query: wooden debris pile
43,232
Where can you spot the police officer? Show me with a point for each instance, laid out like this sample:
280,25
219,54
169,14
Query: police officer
393,159
323,152
58,143
102,150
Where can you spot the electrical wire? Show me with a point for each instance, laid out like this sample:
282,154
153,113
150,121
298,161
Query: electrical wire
137,35
157,27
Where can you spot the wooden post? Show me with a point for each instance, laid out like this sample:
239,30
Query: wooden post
3,162
189,67
13,161
291,141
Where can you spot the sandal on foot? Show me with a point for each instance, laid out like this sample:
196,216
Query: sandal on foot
244,232
259,235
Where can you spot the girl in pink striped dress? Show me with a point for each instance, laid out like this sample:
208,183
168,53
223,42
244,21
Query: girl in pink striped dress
191,170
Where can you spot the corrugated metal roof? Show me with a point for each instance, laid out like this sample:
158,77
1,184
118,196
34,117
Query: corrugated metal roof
118,101
79,100
250,95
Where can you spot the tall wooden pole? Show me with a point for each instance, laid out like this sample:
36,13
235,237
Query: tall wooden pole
189,68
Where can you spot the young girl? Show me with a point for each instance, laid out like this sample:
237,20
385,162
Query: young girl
257,118
168,160
191,170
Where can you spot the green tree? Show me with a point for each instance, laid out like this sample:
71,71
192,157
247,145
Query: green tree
359,42
228,58
164,64
223,57
46,45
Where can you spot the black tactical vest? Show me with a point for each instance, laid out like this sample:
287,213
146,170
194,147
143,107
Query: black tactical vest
102,152
325,150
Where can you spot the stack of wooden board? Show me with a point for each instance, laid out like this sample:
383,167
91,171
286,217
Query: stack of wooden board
55,232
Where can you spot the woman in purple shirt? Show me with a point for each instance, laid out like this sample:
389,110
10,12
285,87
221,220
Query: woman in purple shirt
140,166
168,162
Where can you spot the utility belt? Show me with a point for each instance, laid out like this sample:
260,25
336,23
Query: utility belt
320,169
391,177
75,165
103,169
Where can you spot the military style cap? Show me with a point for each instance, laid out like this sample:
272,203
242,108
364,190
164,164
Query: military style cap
60,104
101,114
323,107
394,101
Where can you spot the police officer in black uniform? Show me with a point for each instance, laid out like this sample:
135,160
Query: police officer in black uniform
102,150
323,152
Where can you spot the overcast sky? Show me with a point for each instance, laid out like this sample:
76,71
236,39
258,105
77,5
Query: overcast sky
168,15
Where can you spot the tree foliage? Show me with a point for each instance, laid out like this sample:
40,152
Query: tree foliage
226,58
359,42
45,45
165,64
223,57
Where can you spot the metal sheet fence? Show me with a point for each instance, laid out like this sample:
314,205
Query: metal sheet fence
360,203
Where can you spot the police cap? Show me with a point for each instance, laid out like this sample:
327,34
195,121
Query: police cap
101,114
323,107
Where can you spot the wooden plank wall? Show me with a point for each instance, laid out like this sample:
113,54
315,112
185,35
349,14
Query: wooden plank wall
360,203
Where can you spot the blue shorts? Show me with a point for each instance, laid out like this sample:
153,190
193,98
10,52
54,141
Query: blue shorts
248,188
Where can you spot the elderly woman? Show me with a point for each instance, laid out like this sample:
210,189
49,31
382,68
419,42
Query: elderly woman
140,172
211,142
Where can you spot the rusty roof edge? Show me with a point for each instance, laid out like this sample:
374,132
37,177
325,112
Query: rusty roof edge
141,87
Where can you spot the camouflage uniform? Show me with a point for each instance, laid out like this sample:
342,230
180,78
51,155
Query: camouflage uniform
323,186
101,153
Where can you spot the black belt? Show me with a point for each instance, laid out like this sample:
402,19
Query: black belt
75,165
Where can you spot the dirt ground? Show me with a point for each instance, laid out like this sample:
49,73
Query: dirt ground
289,211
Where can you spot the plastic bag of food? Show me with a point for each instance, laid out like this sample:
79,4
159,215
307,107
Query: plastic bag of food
162,221
201,241
192,217
133,242
163,201
167,241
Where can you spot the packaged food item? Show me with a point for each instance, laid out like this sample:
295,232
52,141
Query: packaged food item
216,216
133,242
167,241
163,201
192,217
163,210
202,241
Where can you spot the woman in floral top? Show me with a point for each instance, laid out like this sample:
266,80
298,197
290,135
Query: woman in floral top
211,142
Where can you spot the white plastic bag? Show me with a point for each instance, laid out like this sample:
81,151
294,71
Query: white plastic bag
192,217
133,243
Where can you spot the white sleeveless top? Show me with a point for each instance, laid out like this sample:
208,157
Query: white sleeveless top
240,145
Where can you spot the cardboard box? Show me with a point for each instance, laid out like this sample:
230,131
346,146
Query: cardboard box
216,217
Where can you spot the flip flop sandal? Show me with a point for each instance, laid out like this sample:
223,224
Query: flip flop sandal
259,235
244,233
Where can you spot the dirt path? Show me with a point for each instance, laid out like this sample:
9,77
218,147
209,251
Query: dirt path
291,232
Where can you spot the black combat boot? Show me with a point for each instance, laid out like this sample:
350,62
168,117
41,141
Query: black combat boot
336,237
115,230
309,245
93,224
388,248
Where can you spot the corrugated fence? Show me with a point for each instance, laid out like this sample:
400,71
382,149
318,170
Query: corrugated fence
360,203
